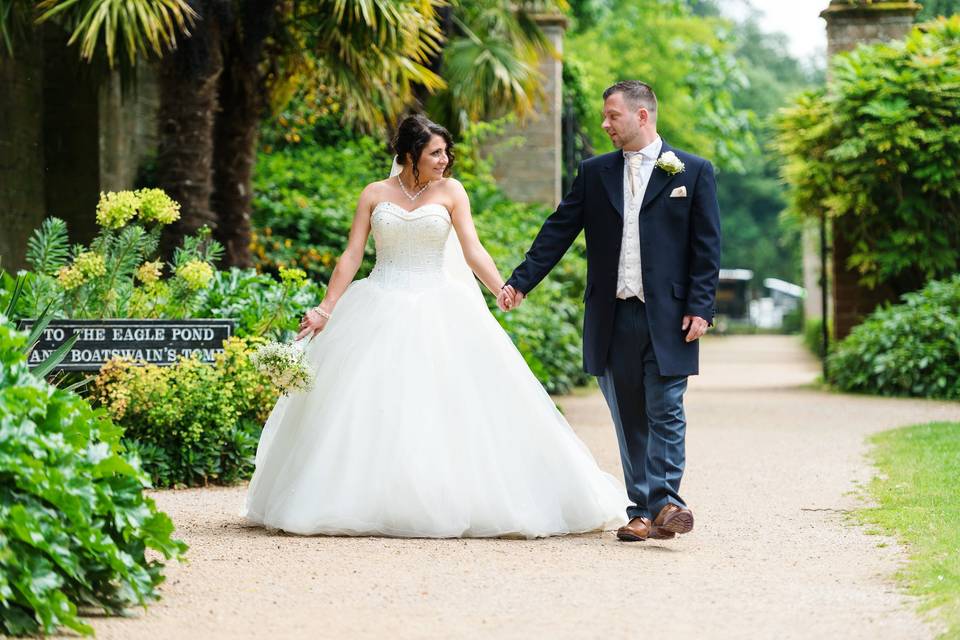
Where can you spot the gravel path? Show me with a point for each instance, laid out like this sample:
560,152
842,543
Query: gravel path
772,464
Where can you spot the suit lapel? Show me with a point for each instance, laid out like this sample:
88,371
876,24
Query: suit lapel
612,177
658,180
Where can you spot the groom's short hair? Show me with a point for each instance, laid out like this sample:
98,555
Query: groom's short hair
637,94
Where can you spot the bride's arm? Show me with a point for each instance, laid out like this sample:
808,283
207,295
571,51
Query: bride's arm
347,265
352,257
476,256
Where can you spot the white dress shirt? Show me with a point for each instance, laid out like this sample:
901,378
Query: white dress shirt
629,278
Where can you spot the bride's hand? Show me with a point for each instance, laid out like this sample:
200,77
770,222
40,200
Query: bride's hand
312,323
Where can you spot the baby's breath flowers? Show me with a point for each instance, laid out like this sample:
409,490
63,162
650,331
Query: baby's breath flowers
284,364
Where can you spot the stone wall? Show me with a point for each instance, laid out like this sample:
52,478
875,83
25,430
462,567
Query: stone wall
532,172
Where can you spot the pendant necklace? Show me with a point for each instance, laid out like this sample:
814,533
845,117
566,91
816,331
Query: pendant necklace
406,193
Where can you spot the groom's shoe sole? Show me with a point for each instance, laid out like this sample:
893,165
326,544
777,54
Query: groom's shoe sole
680,521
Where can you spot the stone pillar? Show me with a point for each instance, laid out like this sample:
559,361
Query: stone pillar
21,151
533,171
849,23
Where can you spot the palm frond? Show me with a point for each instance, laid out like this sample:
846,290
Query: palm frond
130,27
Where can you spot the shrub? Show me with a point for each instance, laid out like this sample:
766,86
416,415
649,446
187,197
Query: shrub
875,149
910,349
191,423
260,305
74,523
813,335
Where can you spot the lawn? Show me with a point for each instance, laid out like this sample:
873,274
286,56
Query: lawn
916,497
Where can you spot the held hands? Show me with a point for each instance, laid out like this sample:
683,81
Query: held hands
509,298
312,323
694,327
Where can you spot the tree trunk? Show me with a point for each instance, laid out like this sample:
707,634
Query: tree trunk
242,102
188,103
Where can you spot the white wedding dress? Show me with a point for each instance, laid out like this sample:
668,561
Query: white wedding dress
424,419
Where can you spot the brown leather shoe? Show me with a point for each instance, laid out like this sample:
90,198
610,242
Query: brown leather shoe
674,518
656,533
637,530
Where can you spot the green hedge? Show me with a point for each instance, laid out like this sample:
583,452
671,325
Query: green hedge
909,349
74,523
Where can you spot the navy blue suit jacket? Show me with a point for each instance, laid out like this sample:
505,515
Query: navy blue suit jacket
679,254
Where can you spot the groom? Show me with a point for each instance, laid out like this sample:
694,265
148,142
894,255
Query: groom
652,226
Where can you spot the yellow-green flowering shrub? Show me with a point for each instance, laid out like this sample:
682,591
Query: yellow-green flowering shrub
191,423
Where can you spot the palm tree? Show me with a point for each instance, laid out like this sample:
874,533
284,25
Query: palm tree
189,87
490,60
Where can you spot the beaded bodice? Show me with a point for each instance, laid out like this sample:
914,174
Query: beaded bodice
410,244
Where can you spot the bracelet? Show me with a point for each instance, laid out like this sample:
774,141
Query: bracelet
323,314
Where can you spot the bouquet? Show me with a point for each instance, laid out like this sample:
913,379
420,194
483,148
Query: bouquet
284,364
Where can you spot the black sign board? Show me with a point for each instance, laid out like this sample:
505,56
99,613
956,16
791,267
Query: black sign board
154,341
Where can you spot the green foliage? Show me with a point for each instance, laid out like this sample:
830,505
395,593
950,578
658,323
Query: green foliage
260,305
910,349
755,235
74,523
877,149
191,423
934,8
688,61
813,336
916,497
305,196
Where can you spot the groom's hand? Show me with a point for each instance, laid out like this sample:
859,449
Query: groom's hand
694,326
509,298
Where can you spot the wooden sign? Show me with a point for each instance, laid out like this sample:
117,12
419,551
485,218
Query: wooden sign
158,342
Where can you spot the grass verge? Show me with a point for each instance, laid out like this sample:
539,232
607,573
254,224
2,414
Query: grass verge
917,499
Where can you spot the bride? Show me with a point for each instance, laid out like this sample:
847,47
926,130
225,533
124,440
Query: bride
423,420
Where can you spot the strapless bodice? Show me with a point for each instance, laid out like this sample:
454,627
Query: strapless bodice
410,244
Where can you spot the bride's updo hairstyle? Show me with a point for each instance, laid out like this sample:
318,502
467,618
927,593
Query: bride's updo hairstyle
413,134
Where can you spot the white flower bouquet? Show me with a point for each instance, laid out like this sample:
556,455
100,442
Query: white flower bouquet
284,364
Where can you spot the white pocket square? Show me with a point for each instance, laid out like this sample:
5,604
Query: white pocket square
679,192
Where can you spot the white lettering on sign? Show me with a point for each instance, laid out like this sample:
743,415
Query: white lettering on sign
191,333
138,333
53,333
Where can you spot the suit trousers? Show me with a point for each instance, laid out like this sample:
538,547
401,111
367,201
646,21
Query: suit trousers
647,410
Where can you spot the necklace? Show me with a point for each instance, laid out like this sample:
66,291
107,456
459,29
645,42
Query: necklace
406,193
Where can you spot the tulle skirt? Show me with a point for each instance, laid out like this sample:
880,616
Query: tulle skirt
424,421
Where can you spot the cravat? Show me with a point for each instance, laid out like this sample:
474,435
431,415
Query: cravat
634,160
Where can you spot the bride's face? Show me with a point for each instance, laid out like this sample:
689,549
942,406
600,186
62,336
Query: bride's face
433,159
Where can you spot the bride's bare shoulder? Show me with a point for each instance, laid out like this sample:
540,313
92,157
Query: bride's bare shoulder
451,185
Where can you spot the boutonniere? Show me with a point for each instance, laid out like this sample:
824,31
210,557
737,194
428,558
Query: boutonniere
670,163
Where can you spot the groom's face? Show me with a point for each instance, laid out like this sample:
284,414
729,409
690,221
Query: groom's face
622,122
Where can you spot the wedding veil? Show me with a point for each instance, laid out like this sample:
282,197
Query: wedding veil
454,263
